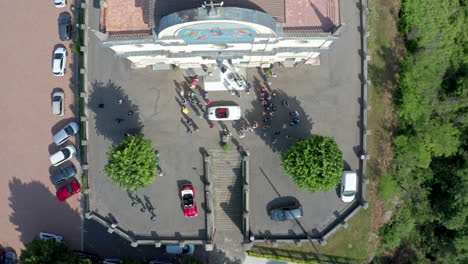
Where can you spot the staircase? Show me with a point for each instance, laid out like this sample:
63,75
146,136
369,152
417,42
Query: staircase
227,189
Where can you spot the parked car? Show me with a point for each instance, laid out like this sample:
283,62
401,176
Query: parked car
60,3
93,258
111,261
10,257
348,186
58,103
160,262
2,256
178,250
59,62
48,236
65,133
65,26
188,200
285,213
68,191
222,113
63,175
62,155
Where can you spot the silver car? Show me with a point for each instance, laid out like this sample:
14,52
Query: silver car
58,99
63,175
65,133
285,213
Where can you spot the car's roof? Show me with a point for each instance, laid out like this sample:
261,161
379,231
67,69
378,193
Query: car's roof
56,65
57,157
350,179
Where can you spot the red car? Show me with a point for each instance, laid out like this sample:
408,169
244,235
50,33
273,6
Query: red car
68,191
188,200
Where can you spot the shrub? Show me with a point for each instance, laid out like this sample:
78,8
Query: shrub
132,163
314,164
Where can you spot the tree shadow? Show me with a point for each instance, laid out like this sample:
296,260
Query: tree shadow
105,102
219,256
386,74
35,209
276,122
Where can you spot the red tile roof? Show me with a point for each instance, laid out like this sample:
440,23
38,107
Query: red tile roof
311,15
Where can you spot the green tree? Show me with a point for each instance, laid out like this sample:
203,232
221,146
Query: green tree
132,163
51,252
314,164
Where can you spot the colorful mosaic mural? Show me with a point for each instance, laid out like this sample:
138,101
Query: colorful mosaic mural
217,32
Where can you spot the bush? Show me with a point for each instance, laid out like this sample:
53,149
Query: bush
225,147
51,252
132,163
314,164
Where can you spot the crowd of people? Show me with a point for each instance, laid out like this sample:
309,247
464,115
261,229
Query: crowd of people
266,97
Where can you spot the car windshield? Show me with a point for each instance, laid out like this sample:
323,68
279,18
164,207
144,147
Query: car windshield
349,193
69,189
69,130
222,113
66,153
58,56
57,98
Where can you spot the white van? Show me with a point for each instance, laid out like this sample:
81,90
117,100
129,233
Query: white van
348,187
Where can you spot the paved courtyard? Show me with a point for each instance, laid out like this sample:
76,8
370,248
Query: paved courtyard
326,98
323,109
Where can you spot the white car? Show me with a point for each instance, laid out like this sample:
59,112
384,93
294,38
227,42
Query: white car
348,186
47,236
62,155
65,133
60,3
222,113
111,261
58,103
60,61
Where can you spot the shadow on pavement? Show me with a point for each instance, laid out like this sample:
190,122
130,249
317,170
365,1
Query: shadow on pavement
233,208
115,114
281,122
36,209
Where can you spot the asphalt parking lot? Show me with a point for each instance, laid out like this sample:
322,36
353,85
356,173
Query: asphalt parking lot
27,197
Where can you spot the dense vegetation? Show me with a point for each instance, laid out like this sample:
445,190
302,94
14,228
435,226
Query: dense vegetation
132,163
430,165
314,164
50,252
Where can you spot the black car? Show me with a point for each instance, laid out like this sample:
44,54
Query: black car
285,213
65,26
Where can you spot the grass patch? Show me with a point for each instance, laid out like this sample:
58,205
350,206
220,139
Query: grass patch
388,189
77,43
81,16
350,245
281,258
84,180
352,242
